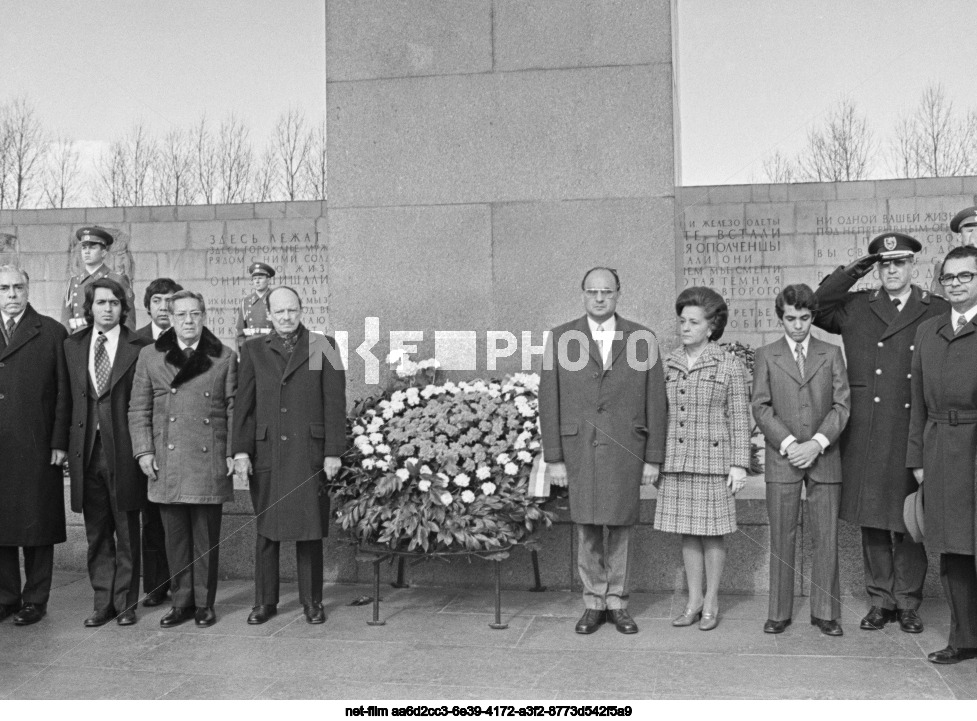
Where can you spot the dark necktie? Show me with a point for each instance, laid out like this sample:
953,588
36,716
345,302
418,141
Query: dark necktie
103,367
800,359
897,303
10,329
188,351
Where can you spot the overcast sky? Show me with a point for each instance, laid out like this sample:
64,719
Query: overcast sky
752,74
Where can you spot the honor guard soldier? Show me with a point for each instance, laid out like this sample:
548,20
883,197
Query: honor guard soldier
94,243
879,328
252,315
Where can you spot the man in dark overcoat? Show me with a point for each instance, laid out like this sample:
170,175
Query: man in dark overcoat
289,433
35,409
155,571
107,486
942,443
180,421
879,327
603,414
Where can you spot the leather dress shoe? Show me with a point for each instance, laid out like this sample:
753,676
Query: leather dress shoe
175,616
622,620
314,613
127,617
154,598
687,618
30,613
772,626
950,655
592,619
709,621
205,616
827,627
99,618
261,614
909,620
876,618
7,610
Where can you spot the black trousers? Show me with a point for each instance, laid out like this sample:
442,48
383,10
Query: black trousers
959,579
155,570
39,569
113,538
895,568
308,557
192,551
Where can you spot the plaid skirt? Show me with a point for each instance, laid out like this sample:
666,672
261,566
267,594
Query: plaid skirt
696,504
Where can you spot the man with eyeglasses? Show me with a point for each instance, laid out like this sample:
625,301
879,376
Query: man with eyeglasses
942,443
964,224
180,422
878,327
603,415
289,435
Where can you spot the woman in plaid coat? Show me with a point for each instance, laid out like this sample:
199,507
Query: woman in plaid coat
707,450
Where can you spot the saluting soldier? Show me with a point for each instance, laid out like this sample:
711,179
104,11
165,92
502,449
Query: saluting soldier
94,243
252,314
878,328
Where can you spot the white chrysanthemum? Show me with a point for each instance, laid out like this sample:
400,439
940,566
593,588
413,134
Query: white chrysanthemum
462,480
511,469
446,498
467,496
483,472
358,430
361,441
525,456
425,469
383,465
403,474
383,448
376,438
366,449
424,485
502,459
367,463
488,488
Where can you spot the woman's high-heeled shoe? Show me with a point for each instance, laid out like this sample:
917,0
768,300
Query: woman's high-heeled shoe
709,621
688,617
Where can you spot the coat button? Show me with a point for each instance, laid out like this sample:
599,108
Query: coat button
81,425
909,375
912,347
878,371
682,391
681,440
171,446
172,390
1,396
284,438
907,405
1,365
172,419
681,408
203,448
715,444
207,394
206,421
880,344
595,375
681,424
284,410
596,444
877,399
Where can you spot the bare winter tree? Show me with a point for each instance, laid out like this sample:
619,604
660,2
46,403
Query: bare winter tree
234,160
204,149
6,160
174,176
291,147
125,169
24,150
266,180
315,169
841,149
778,168
62,174
934,141
110,177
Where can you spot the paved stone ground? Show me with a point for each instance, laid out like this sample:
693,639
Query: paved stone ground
437,645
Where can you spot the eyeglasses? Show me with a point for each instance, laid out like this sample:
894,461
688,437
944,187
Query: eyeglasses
194,315
962,278
599,292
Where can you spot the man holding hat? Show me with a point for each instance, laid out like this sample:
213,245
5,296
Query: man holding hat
94,243
252,315
878,328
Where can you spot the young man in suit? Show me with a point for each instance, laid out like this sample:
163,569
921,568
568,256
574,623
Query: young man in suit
801,403
106,483
155,570
603,420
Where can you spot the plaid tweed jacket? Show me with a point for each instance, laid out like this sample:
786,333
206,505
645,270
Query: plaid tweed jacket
708,413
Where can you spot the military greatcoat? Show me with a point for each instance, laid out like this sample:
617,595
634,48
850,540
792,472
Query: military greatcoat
290,414
943,432
252,318
879,347
604,424
73,311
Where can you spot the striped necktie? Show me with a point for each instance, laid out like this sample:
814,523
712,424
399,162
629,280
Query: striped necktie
103,367
800,359
961,324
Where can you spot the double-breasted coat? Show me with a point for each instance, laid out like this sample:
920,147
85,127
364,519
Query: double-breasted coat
290,414
110,414
879,349
943,432
73,311
604,424
708,413
252,318
784,405
181,410
35,409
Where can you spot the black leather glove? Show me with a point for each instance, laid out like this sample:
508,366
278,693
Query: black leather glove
863,266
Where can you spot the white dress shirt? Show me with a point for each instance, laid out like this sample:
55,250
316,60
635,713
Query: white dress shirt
184,346
604,336
954,316
819,437
903,298
4,318
156,330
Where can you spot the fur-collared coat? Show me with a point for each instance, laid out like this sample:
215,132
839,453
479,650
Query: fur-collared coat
181,410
